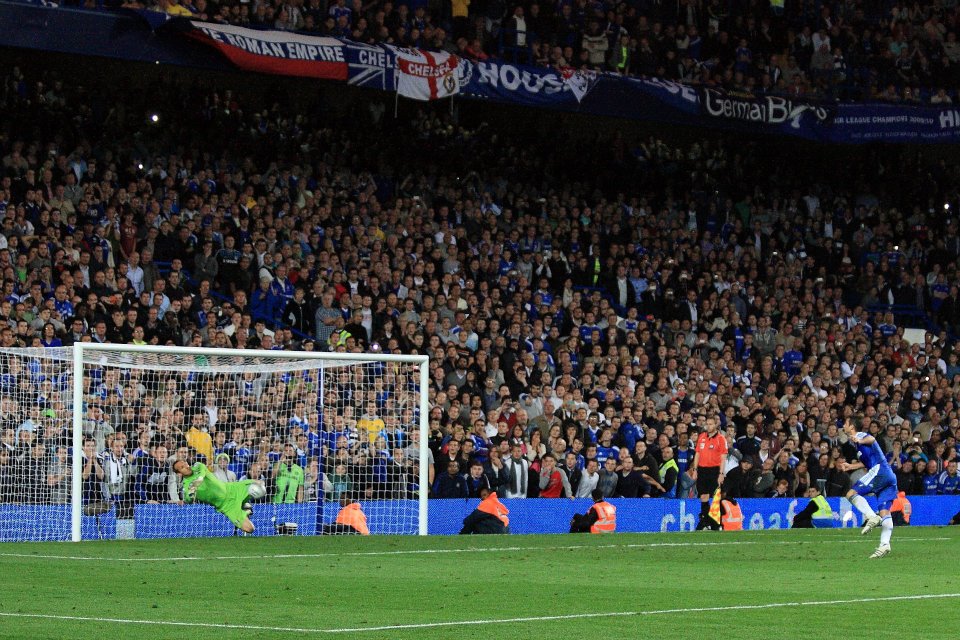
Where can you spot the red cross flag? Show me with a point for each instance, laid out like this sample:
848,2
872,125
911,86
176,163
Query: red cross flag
427,75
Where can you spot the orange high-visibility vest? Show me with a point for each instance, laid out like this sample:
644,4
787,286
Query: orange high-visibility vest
492,505
607,514
352,516
902,504
732,519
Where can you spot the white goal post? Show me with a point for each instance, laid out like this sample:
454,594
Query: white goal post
319,429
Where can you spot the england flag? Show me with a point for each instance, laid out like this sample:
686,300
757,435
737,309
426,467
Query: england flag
427,75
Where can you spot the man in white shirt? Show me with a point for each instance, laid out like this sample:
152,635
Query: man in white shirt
589,480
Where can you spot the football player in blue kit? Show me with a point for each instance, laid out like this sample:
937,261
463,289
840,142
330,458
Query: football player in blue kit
878,480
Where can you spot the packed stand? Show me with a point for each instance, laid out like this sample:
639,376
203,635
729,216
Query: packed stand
586,303
891,51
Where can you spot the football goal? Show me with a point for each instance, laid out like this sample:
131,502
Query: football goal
90,435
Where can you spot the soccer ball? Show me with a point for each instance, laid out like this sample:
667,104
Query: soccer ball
256,490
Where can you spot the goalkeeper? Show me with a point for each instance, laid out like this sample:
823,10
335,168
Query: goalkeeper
232,499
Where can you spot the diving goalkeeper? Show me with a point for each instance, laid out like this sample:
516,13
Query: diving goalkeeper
232,499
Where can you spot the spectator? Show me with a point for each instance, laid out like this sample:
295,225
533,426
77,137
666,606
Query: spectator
609,479
496,472
589,480
553,482
632,484
740,482
451,484
518,473
96,426
59,476
477,480
119,472
222,469
154,482
764,482
949,481
288,478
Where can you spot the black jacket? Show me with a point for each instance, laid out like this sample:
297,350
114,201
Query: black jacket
451,486
297,316
480,522
738,484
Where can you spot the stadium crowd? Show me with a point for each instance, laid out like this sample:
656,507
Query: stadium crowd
587,304
888,51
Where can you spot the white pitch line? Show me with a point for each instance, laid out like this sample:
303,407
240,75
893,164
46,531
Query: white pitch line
571,547
159,623
461,623
649,612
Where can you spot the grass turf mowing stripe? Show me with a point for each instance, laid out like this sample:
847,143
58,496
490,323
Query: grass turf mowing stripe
566,547
461,623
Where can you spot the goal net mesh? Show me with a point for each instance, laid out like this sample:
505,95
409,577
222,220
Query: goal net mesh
317,432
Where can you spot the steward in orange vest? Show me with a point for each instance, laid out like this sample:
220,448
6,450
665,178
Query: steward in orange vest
900,510
350,520
351,515
730,515
601,518
490,516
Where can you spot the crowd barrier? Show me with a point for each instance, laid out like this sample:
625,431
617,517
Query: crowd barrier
544,515
527,516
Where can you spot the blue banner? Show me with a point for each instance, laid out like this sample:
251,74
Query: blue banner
398,517
152,37
895,123
25,523
542,515
371,67
516,84
201,521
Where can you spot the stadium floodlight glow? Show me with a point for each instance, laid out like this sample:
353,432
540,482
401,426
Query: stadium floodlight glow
78,395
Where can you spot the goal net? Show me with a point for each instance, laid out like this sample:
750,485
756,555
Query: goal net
91,433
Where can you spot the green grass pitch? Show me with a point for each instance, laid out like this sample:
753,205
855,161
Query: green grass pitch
766,584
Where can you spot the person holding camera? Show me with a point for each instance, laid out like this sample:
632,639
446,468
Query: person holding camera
288,477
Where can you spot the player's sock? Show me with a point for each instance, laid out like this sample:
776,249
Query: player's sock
886,530
863,506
